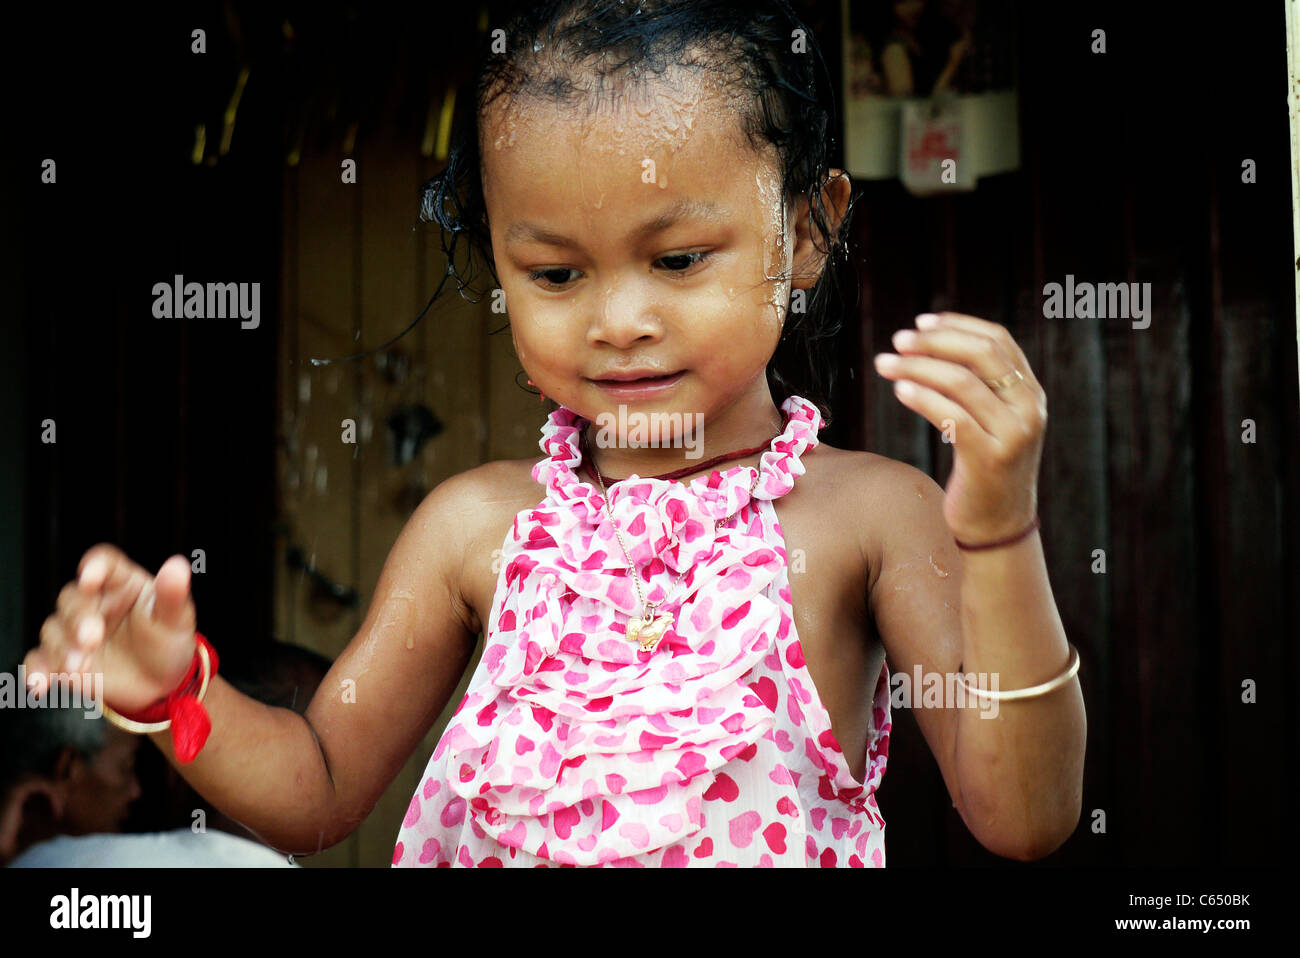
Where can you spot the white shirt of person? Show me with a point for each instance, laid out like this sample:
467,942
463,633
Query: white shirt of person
181,848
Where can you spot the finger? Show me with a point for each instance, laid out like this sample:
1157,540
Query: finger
118,601
122,572
984,355
36,665
936,407
71,601
82,627
172,607
44,665
977,403
98,564
994,330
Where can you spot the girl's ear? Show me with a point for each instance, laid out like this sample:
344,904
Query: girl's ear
808,259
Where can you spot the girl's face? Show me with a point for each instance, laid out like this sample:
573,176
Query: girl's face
641,238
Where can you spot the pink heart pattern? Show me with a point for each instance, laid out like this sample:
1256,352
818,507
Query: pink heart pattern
573,747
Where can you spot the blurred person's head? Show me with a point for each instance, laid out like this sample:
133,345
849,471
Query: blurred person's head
62,772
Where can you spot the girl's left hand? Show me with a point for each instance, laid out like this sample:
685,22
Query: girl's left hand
997,435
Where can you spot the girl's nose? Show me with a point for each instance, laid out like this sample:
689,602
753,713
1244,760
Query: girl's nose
625,316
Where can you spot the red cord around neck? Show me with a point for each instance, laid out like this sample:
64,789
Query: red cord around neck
590,463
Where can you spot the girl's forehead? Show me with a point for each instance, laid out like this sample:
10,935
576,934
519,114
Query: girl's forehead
650,113
685,125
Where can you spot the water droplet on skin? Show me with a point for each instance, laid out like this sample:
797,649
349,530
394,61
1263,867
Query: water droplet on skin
939,570
769,193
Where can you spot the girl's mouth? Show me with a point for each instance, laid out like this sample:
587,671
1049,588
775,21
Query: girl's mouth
639,388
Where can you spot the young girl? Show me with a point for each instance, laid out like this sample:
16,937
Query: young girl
684,660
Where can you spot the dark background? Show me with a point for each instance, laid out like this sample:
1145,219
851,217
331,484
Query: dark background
167,431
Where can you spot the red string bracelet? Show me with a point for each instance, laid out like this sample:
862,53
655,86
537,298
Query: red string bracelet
1001,542
181,710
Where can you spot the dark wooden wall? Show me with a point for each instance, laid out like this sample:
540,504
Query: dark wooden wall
174,436
165,428
1133,173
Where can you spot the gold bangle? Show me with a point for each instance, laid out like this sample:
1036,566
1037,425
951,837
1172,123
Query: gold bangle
144,728
1034,690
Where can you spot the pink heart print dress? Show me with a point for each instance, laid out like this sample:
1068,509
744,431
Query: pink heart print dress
575,747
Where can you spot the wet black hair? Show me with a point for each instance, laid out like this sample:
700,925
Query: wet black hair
563,50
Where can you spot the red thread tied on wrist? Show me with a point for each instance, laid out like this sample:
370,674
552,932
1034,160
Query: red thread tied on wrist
190,723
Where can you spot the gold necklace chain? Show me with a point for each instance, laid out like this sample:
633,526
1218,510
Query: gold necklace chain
646,631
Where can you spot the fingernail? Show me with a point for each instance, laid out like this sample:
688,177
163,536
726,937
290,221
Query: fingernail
87,632
904,338
927,321
91,566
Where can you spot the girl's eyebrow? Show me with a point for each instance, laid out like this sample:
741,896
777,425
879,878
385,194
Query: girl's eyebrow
683,209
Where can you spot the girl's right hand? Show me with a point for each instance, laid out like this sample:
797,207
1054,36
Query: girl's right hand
117,619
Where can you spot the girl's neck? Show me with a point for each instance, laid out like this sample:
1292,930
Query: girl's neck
619,461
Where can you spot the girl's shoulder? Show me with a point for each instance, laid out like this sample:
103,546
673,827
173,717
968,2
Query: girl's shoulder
465,518
879,472
883,499
495,492
854,471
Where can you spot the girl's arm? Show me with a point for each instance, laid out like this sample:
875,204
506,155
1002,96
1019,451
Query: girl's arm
304,783
300,783
1015,777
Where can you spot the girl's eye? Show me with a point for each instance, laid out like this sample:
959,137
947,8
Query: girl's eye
558,276
684,260
554,277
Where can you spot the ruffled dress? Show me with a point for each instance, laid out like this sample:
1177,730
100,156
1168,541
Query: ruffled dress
574,747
